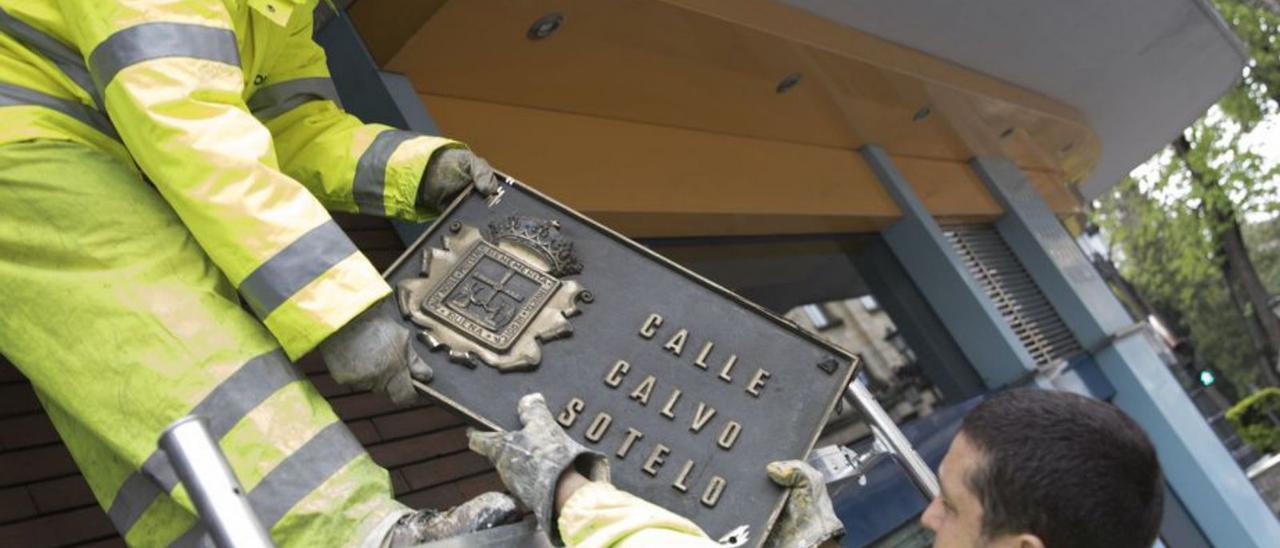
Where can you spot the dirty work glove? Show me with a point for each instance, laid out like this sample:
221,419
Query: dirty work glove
531,460
483,512
449,173
372,352
808,518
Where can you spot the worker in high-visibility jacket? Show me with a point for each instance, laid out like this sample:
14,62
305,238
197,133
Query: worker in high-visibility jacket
159,162
567,487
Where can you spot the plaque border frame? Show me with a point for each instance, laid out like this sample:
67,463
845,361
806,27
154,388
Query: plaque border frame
855,364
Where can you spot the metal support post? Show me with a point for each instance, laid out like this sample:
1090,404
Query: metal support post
221,502
888,434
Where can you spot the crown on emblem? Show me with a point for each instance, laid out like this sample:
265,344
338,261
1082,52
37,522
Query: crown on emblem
541,237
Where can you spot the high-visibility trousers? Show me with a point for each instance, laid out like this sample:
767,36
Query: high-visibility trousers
123,325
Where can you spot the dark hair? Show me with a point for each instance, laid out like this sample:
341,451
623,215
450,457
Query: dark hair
1071,470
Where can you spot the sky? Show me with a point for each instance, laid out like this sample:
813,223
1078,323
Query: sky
1264,140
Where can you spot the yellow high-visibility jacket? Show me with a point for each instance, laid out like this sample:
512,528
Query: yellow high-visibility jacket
598,515
227,108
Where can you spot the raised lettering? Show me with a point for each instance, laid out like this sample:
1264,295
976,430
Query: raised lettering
644,390
668,410
570,413
757,382
701,417
681,482
614,377
627,442
656,458
599,426
650,326
711,495
729,435
675,344
728,366
701,360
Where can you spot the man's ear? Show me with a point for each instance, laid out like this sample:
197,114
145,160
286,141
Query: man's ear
1028,540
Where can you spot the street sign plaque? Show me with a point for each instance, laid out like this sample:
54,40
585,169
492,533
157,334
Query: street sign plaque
688,389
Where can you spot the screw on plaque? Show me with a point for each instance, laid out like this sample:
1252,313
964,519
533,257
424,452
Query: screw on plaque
586,297
455,226
740,536
829,365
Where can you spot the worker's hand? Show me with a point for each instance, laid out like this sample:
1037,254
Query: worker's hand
531,461
450,172
483,512
808,518
373,352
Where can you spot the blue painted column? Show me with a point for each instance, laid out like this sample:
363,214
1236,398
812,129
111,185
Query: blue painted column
1202,473
917,241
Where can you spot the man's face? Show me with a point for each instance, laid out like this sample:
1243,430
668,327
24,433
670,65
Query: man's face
955,517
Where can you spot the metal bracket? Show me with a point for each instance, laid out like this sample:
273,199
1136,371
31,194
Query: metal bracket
836,463
1113,338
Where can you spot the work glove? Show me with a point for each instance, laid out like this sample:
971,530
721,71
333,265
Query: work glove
808,519
483,512
372,352
451,171
530,461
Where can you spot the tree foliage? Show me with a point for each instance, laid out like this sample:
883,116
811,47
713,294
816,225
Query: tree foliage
1171,223
1264,240
1237,177
1256,23
1163,250
1255,418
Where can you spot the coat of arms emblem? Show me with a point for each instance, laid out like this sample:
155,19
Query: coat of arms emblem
494,301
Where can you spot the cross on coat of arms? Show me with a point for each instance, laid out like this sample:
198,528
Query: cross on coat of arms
492,302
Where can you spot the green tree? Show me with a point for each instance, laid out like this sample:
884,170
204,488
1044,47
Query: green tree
1255,22
1181,228
1224,183
1255,419
1164,252
1263,239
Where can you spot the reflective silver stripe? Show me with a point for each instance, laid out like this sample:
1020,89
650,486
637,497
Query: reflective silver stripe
277,99
295,266
302,472
11,95
369,187
62,55
225,406
148,41
132,500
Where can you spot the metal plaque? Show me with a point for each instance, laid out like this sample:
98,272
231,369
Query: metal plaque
688,389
